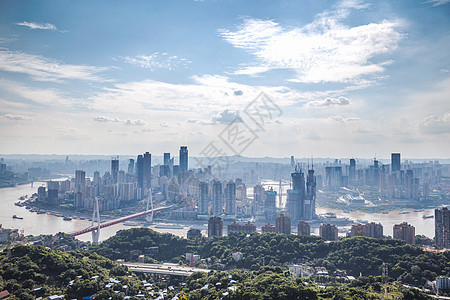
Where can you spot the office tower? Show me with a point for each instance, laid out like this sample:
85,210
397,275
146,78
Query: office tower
114,168
230,198
131,166
303,228
395,162
176,170
147,171
215,226
217,198
203,201
270,207
442,227
296,196
283,224
140,171
52,194
268,228
310,198
352,172
166,159
328,232
258,195
80,179
405,232
292,161
183,158
333,177
41,194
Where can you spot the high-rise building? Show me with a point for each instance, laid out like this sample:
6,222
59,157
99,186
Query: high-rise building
268,228
203,200
395,162
147,171
283,224
295,202
194,233
114,168
166,159
80,179
372,230
442,227
184,159
270,208
303,228
217,198
405,232
310,198
140,171
230,198
236,227
328,232
352,172
333,177
131,166
52,194
215,226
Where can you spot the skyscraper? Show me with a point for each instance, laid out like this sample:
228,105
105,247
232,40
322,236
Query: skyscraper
442,227
310,198
147,171
131,166
203,201
270,208
283,224
395,162
184,159
405,232
217,198
114,168
352,172
166,159
215,226
230,198
140,171
296,197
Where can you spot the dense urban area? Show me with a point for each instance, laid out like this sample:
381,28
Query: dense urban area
249,229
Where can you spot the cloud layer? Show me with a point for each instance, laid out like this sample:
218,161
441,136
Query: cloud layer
325,50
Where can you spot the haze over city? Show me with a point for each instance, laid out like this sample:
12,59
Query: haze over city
350,78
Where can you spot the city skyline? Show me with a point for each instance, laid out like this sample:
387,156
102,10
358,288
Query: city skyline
351,78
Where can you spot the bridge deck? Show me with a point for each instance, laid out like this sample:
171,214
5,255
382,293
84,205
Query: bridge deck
120,220
163,269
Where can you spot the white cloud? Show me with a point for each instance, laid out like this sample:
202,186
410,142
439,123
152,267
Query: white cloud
15,117
37,95
127,122
325,50
438,2
227,116
43,69
33,25
435,124
105,119
157,61
329,102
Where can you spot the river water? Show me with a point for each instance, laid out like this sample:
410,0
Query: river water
35,224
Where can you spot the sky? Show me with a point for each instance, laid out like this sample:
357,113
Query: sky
256,78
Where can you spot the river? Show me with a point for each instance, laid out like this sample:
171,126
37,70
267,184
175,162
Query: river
35,224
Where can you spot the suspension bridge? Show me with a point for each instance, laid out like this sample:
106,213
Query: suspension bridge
97,225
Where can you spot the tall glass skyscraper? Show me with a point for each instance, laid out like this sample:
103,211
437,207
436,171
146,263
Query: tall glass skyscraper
183,158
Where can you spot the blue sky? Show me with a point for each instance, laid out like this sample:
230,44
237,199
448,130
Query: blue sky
349,78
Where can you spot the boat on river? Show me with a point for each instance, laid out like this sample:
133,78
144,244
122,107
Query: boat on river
427,217
16,217
66,218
